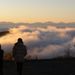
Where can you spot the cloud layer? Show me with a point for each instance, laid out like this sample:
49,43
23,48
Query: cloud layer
42,42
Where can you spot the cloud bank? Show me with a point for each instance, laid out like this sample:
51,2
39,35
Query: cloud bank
43,42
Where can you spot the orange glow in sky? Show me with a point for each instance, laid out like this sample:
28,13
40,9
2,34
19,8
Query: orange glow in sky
37,10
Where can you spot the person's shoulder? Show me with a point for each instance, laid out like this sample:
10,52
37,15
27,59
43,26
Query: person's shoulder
2,51
15,43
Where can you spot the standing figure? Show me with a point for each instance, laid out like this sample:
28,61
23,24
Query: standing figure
19,52
1,60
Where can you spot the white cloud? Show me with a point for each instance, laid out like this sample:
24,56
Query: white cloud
42,42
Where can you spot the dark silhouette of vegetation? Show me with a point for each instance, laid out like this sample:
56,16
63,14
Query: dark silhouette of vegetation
3,33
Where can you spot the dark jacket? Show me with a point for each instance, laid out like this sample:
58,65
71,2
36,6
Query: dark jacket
19,52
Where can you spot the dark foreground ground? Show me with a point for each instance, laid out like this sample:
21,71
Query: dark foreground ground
59,66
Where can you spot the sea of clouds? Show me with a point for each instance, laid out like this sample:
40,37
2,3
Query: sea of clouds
42,42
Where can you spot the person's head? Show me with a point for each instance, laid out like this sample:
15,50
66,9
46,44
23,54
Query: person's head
20,40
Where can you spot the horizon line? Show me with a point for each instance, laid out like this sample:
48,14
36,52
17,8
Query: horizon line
35,22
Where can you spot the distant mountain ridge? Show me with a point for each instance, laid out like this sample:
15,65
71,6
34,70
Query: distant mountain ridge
36,24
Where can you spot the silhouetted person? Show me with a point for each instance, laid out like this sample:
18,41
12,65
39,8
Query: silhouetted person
1,61
19,52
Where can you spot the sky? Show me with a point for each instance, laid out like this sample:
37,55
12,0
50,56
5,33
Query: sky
37,10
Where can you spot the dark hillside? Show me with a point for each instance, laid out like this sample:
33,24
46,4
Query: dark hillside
3,33
58,66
